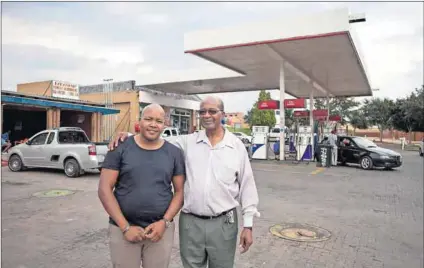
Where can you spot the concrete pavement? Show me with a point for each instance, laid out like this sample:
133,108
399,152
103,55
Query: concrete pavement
375,217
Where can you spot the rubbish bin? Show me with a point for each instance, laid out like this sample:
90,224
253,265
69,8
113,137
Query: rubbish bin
324,155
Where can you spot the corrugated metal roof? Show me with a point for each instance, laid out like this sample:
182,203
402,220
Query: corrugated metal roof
168,94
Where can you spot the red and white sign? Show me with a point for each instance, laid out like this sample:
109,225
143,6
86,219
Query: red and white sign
275,105
334,118
300,113
269,105
318,115
321,112
65,90
294,103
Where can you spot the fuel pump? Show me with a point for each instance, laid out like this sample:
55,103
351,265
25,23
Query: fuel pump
260,142
304,144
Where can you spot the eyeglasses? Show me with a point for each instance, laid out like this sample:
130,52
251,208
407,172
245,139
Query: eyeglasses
209,111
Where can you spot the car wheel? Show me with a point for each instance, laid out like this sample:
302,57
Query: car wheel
15,163
366,163
72,168
421,152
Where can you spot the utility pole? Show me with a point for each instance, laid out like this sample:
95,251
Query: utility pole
107,122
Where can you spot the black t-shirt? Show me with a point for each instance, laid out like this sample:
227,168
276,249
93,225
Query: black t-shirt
144,186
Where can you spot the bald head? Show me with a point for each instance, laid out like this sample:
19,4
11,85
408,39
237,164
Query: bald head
213,100
152,122
153,107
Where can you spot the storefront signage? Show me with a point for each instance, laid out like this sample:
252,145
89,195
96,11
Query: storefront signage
65,90
294,103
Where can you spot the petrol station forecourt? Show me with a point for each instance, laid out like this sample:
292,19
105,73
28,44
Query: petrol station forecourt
309,56
365,212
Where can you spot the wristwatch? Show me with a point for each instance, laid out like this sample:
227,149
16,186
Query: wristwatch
167,223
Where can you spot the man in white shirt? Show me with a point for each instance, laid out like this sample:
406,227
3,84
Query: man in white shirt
333,142
219,178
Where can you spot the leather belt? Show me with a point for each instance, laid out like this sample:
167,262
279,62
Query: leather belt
210,217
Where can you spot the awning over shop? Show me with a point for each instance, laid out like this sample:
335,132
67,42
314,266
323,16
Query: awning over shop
47,102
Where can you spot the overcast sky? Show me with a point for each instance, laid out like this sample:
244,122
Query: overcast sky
84,43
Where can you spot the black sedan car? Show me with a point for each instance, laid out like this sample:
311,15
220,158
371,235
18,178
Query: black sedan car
358,150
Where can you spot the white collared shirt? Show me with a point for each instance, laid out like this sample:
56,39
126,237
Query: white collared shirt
218,178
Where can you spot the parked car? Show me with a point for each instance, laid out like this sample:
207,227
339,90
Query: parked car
170,134
421,149
274,134
243,137
65,148
359,150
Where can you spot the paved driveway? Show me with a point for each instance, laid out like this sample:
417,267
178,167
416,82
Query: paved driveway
375,217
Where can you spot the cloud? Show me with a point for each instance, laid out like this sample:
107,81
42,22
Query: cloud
28,63
139,13
62,36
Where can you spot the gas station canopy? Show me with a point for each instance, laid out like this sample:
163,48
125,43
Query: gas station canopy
316,52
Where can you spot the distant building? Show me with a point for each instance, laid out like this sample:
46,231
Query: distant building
131,99
236,120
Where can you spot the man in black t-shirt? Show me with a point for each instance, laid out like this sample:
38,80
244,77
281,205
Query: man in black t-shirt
136,191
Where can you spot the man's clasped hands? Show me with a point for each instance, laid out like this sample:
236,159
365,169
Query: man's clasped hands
153,232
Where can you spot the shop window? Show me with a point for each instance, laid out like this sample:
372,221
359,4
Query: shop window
180,112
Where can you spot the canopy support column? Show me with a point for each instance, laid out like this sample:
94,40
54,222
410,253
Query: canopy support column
328,108
311,120
282,112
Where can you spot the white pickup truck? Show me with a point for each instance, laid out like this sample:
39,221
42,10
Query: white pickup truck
170,134
65,148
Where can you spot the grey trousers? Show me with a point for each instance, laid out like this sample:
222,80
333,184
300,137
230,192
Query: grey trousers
209,242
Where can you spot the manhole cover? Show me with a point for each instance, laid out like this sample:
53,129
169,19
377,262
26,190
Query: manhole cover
300,232
53,193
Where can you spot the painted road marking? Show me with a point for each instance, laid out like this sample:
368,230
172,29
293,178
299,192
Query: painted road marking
318,170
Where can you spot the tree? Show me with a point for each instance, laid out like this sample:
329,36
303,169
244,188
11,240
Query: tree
256,117
379,113
289,118
358,120
408,113
248,117
338,106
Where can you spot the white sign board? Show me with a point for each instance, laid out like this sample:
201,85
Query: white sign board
65,90
305,129
260,129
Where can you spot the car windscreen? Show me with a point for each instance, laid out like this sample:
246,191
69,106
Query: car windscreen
275,130
364,143
72,137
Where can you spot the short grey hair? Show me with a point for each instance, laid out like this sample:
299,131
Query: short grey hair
216,99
